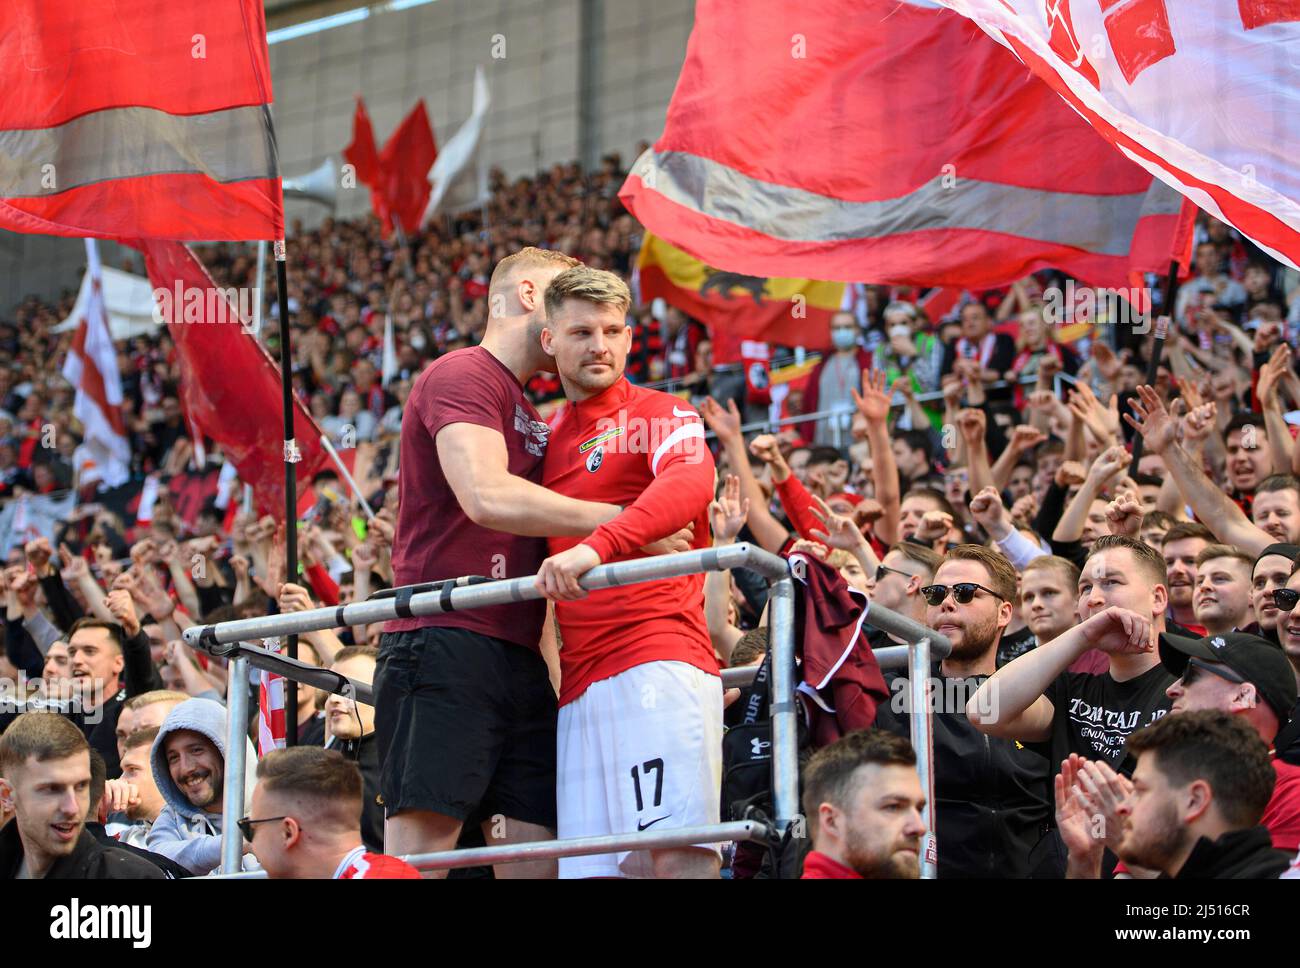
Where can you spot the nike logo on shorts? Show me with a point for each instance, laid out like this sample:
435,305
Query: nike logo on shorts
646,826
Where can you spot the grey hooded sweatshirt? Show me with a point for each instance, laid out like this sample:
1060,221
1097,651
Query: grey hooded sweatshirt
188,834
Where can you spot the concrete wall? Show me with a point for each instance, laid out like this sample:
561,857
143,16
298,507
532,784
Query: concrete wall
556,96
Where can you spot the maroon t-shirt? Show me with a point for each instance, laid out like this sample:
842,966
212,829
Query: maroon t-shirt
434,538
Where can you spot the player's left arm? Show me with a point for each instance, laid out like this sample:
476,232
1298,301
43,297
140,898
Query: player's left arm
678,495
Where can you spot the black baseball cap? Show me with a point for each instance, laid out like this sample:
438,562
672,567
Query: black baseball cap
1255,659
1278,548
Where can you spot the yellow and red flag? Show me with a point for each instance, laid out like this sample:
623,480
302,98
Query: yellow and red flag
736,307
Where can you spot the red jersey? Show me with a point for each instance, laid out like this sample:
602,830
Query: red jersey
361,865
643,450
434,537
819,867
1282,815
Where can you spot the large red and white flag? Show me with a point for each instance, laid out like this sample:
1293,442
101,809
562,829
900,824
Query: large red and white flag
1204,94
230,386
889,141
91,367
122,118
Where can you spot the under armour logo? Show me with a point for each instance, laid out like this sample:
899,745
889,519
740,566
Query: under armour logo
757,746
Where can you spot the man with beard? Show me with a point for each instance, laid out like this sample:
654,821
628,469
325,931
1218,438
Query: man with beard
991,795
863,800
1222,596
45,783
189,767
1179,548
626,764
472,448
1275,504
1201,784
1272,569
1034,699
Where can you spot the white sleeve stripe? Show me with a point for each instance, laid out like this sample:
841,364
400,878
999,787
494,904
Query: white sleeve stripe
684,432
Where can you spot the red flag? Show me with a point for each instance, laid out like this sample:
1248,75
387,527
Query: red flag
230,386
1202,95
362,154
137,120
888,141
404,167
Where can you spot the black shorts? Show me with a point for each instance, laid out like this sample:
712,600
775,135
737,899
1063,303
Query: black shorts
466,726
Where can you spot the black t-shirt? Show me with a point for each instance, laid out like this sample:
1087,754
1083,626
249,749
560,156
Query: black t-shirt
1095,714
1015,645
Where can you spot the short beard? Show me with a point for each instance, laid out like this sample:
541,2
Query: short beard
976,641
877,866
1166,841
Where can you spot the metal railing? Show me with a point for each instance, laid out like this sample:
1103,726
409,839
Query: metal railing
233,640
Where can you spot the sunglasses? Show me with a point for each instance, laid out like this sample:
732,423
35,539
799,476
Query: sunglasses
1195,667
883,570
1285,599
245,825
962,593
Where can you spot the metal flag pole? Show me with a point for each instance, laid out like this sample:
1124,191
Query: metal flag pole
291,457
1157,351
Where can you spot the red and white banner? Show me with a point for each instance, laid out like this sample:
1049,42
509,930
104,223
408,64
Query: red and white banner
91,367
889,141
271,730
132,119
1204,94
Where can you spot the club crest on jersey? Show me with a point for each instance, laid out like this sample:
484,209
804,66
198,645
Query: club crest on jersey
599,439
595,459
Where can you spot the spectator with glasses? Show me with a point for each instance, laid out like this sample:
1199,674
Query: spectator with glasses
992,804
1288,634
305,819
897,585
1122,601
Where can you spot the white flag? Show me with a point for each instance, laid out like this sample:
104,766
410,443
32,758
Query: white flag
1204,94
390,353
91,367
456,156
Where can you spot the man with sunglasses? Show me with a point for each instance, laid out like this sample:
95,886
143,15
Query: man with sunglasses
992,796
1035,699
899,578
1270,572
1250,678
305,819
1288,634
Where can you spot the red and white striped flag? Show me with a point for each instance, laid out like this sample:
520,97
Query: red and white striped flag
91,367
1204,94
270,707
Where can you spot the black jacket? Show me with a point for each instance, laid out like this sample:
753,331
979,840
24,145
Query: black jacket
993,802
365,752
1239,855
89,860
169,867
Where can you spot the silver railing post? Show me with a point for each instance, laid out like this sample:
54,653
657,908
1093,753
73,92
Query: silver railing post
922,729
785,726
232,800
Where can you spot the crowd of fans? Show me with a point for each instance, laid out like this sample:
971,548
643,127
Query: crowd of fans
1120,698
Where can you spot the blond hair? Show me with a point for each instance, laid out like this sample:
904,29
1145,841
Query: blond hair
591,285
529,257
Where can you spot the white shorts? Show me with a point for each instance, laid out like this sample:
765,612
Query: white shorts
641,750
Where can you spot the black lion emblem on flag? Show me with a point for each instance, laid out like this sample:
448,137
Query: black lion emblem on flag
723,282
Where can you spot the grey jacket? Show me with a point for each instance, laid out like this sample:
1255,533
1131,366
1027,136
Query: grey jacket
187,834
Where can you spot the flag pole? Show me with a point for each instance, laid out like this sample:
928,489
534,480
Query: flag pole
291,457
1157,351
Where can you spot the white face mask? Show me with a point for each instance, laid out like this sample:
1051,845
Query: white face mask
418,340
900,331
